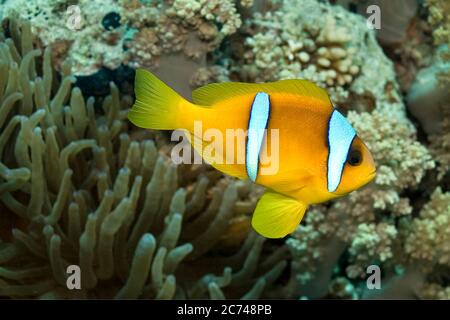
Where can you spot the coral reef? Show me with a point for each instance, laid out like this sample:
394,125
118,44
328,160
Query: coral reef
289,44
439,19
428,98
337,50
143,33
395,19
429,95
440,148
78,188
428,236
74,32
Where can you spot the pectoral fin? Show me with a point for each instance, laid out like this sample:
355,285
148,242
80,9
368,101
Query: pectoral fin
277,215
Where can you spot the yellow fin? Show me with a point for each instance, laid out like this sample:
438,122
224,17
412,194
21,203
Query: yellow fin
214,92
157,106
277,215
235,170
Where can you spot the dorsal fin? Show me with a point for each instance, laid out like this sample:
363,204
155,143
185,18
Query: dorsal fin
214,92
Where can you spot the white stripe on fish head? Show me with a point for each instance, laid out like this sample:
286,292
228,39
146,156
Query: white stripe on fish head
340,138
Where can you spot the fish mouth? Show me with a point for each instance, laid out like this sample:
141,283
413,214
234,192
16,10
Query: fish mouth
370,176
366,179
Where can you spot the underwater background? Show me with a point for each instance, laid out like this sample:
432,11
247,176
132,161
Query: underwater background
80,185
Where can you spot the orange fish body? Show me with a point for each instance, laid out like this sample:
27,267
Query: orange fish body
301,148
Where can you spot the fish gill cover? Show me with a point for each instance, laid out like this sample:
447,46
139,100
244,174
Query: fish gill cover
79,185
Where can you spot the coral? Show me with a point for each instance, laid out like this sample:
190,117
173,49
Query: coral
435,291
314,249
439,18
429,235
400,167
304,244
321,52
246,3
179,25
428,98
371,242
77,187
405,38
74,31
440,147
322,43
425,244
395,19
145,31
223,12
430,86
207,75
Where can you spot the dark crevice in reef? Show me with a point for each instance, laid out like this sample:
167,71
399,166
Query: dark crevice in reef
97,84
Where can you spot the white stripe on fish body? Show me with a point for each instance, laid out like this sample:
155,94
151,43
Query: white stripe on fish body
259,116
340,138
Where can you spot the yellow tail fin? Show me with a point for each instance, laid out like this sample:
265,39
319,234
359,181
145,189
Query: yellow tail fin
157,106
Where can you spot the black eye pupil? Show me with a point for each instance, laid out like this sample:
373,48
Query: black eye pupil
354,157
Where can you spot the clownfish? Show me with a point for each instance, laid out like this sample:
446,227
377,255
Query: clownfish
319,154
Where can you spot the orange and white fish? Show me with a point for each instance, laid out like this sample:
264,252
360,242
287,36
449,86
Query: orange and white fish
320,156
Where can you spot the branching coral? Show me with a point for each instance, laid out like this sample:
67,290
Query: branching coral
370,243
439,18
426,243
223,12
80,189
287,44
439,12
401,166
314,248
325,44
435,291
429,236
440,148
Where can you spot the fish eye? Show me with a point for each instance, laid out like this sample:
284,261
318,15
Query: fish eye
354,157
